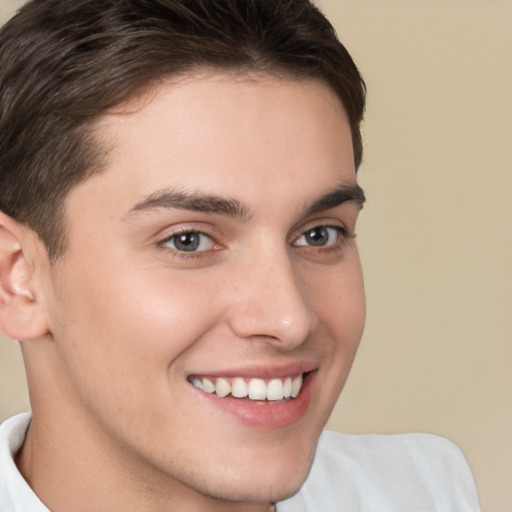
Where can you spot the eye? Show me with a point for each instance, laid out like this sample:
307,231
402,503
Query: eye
321,236
189,241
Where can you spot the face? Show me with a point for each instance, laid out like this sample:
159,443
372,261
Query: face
210,302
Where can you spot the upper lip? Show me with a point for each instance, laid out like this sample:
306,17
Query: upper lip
263,371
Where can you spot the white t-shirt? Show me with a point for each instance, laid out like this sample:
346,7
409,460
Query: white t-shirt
351,473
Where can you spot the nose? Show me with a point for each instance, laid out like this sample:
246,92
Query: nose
269,304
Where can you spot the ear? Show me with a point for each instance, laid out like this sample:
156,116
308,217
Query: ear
22,316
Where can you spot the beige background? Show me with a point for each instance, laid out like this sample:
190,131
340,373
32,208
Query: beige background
435,237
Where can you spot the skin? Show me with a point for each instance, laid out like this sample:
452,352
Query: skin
121,320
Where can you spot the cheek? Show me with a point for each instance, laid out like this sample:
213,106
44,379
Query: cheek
339,302
338,298
126,327
350,307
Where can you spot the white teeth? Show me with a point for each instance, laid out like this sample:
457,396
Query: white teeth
222,387
256,389
296,385
208,386
287,388
197,383
275,390
239,388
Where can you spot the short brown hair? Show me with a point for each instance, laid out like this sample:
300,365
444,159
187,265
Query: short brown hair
64,63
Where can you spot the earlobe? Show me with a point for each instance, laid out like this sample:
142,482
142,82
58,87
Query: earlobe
21,314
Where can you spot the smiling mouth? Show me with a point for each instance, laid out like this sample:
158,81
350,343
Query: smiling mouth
286,388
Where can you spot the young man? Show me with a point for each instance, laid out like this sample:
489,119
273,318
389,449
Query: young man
178,203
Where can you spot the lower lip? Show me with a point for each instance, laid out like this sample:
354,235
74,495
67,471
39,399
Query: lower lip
265,414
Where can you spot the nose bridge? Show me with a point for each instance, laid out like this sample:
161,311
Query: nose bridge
270,302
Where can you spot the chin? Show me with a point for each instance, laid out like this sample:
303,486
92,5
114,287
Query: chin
260,481
258,488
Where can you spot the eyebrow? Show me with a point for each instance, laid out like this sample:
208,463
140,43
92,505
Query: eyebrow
206,203
194,201
342,194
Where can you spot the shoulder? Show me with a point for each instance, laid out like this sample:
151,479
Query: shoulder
423,455
13,431
15,493
389,473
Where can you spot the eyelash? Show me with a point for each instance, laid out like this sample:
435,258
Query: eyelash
186,254
342,232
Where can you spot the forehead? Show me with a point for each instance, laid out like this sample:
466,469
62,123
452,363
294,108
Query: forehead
232,134
207,100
